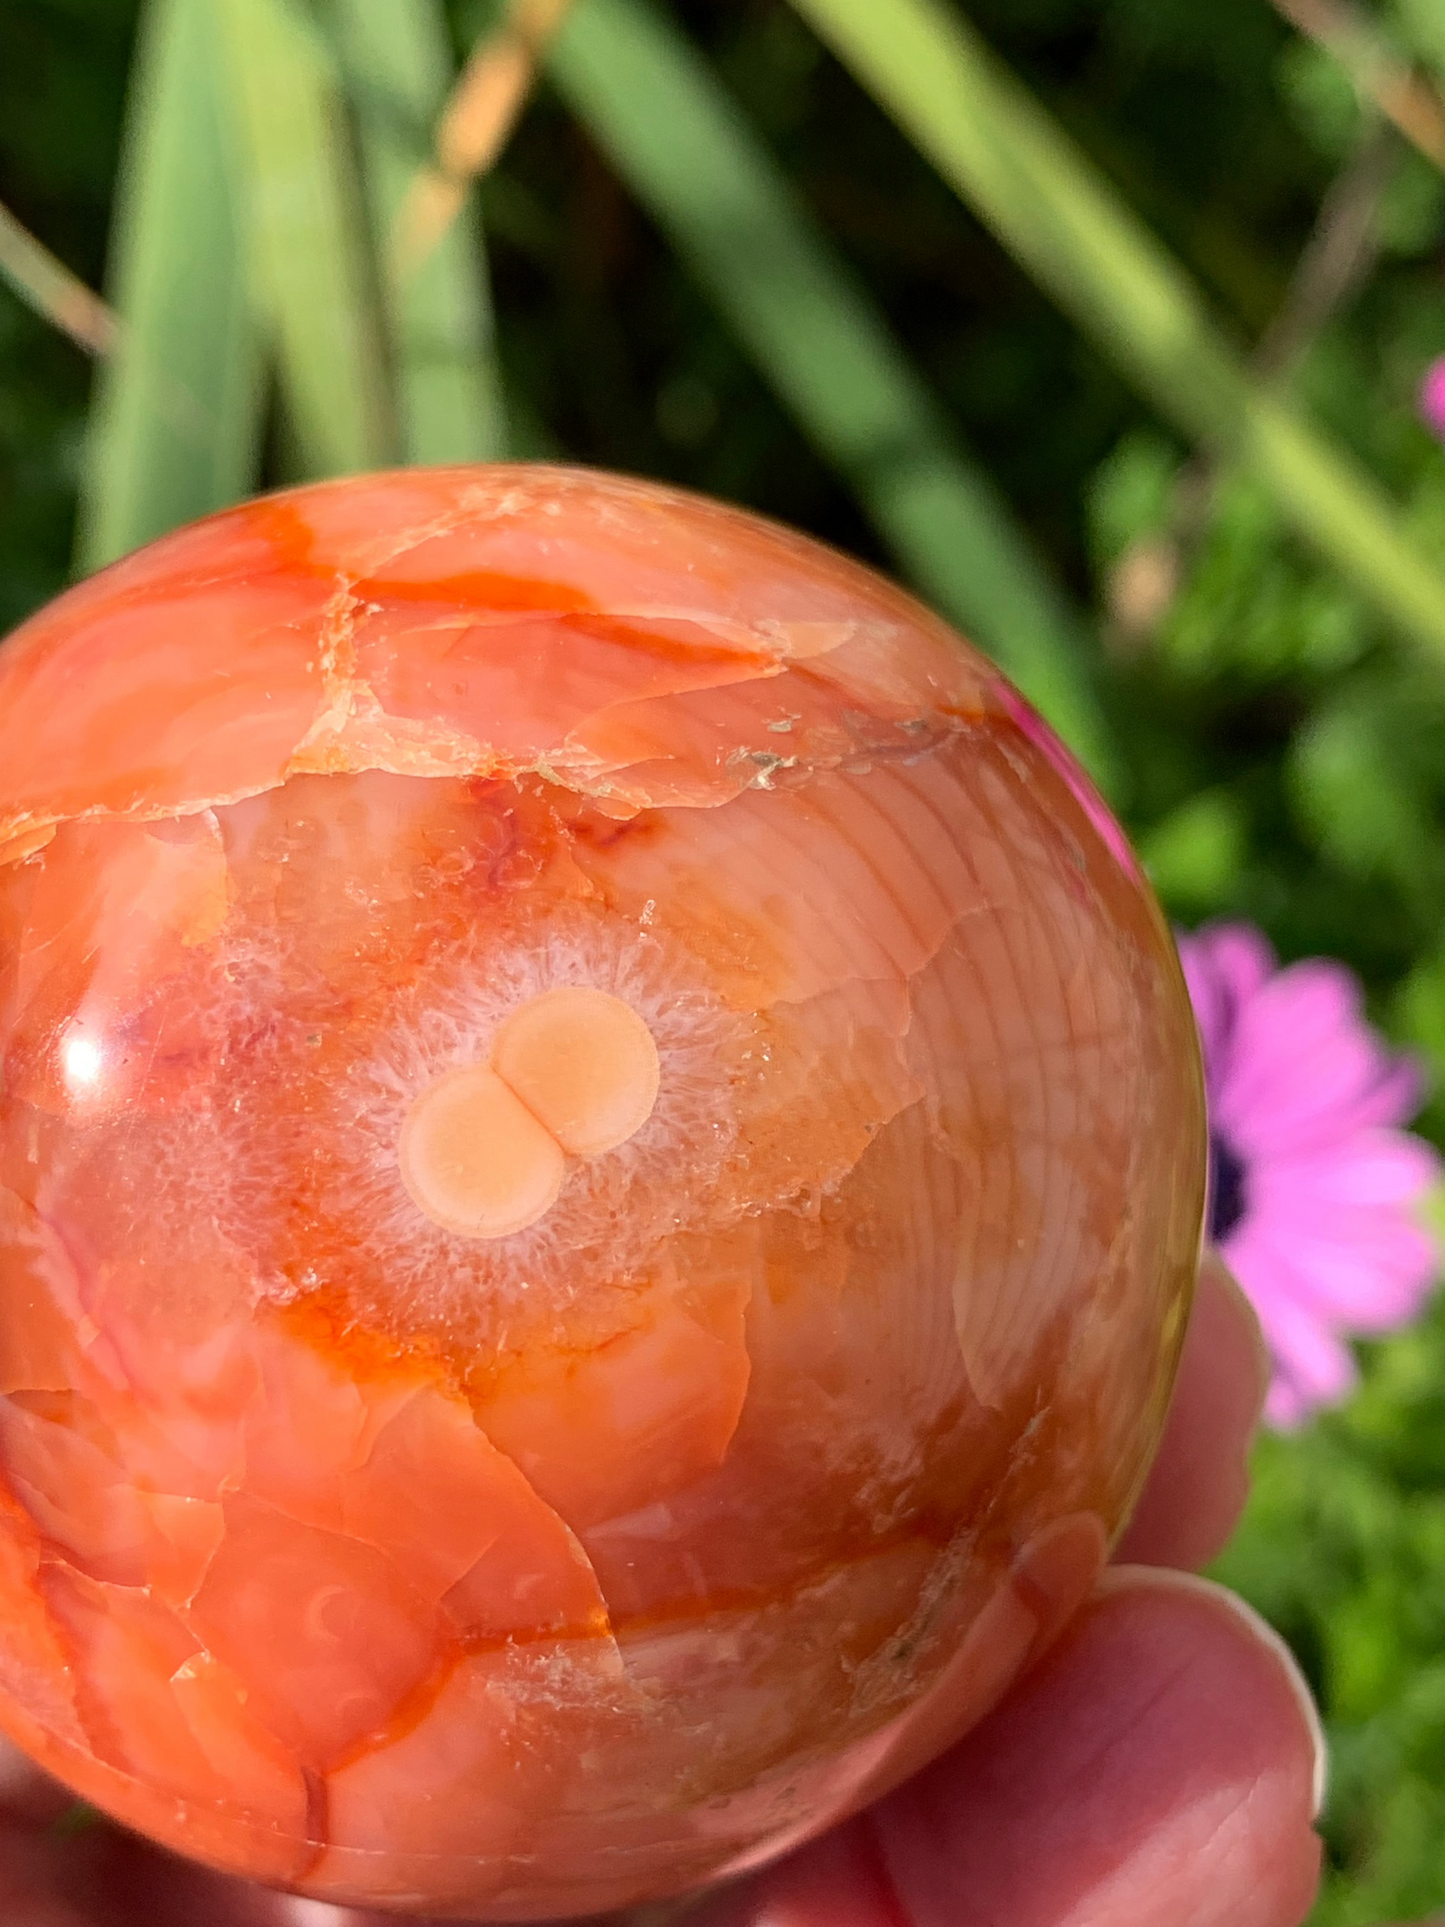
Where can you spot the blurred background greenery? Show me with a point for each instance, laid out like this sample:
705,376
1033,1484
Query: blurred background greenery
1100,321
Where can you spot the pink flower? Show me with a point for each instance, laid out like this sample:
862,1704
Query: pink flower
1431,397
1314,1192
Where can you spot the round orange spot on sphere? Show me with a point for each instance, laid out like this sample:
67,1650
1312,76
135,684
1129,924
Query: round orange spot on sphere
474,1157
601,1159
584,1063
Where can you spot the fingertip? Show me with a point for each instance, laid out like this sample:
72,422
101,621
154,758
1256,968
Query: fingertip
1190,1586
29,1797
1199,1482
1218,1281
838,1881
1162,1763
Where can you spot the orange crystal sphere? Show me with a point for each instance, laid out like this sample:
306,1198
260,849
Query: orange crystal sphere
601,1157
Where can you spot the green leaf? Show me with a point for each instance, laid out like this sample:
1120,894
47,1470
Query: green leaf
1365,776
1421,23
1054,212
307,251
695,164
1418,1015
175,424
1131,495
1252,608
1195,855
398,67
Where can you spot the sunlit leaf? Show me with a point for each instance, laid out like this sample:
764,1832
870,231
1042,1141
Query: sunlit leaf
398,66
176,419
1367,776
1195,855
695,164
307,251
1053,210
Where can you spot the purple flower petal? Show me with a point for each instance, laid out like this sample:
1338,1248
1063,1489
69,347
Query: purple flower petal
1362,1287
1285,1408
1312,1362
1225,964
1303,1097
1366,1168
1394,1100
1301,1011
1305,1068
1431,398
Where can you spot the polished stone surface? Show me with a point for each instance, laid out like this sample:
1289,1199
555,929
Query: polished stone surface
601,1155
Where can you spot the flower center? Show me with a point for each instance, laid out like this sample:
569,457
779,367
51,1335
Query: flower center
1227,1181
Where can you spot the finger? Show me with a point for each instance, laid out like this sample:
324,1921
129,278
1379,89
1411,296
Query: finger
104,1877
32,1811
55,1874
29,1797
841,1880
1200,1479
1163,1763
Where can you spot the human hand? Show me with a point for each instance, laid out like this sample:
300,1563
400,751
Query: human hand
1162,1763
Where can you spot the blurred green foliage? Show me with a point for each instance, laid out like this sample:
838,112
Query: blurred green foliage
1280,746
1344,1549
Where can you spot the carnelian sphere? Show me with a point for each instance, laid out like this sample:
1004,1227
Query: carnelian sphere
601,1158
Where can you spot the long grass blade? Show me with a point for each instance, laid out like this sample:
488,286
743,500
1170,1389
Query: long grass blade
1420,26
45,284
175,423
398,67
477,120
690,157
1379,74
308,256
1056,214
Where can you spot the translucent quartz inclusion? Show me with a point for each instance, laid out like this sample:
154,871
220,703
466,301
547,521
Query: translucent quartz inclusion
601,1155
